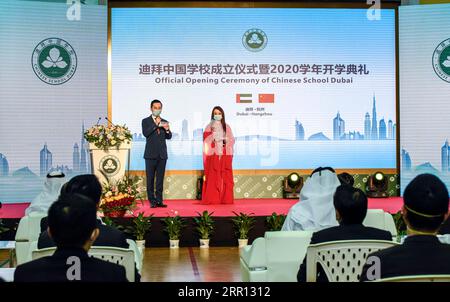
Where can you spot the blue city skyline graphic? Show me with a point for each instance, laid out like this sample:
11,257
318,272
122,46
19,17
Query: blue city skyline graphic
408,171
22,185
373,130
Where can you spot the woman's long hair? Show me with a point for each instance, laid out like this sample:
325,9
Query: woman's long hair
224,125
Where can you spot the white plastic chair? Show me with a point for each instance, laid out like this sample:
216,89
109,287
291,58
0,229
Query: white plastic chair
274,258
124,257
28,231
380,219
417,278
342,261
138,255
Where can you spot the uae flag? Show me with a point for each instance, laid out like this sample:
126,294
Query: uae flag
244,98
267,98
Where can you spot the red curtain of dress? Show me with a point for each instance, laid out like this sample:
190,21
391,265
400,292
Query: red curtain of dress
218,184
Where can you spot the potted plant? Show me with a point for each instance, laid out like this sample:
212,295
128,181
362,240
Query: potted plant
275,222
243,224
141,225
173,227
205,227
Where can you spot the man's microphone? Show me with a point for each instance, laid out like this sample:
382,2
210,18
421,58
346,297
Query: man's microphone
98,121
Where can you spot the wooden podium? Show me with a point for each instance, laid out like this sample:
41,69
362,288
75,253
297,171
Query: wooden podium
110,165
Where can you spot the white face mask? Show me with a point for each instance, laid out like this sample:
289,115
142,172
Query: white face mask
217,117
156,112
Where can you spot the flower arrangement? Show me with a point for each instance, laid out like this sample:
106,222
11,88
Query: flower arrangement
120,196
275,222
174,225
105,137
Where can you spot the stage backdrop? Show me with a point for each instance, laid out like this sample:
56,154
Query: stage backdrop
53,78
300,87
424,91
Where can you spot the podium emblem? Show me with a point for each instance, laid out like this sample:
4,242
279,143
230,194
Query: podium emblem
110,165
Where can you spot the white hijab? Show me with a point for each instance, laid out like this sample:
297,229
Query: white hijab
49,194
315,210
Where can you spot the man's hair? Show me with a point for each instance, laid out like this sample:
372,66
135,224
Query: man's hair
71,220
426,202
87,185
346,179
155,102
351,203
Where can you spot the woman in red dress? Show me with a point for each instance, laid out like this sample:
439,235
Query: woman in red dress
218,142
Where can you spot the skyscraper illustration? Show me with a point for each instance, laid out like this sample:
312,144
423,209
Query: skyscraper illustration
390,130
406,161
367,133
299,131
197,134
338,127
76,158
4,166
374,132
184,131
445,156
45,160
382,129
83,152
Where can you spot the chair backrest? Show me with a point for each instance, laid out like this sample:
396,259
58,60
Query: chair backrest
417,278
342,261
285,250
124,257
30,227
379,219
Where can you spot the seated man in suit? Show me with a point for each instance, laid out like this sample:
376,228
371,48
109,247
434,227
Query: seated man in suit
425,208
89,186
73,226
351,208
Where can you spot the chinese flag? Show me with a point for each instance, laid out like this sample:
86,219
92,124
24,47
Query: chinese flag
267,98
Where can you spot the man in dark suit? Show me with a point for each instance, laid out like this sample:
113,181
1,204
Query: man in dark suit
351,208
156,130
73,226
89,186
425,208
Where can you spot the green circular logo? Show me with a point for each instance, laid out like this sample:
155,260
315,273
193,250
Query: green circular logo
110,165
54,61
441,60
254,40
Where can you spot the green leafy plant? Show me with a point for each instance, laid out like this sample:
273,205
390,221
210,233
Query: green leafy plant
243,224
205,224
174,226
275,221
141,225
3,228
399,224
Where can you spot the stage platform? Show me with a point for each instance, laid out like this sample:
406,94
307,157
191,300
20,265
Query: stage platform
189,207
224,234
